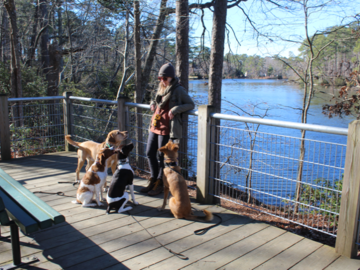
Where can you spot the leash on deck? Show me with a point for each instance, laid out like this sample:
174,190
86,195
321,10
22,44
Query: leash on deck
69,182
205,230
179,255
60,193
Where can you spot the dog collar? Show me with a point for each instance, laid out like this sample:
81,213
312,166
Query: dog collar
171,164
123,161
108,145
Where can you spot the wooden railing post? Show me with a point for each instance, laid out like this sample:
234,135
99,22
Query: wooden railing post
122,115
204,178
347,234
4,128
68,119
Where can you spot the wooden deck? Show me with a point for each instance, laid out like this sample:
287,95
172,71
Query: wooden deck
90,239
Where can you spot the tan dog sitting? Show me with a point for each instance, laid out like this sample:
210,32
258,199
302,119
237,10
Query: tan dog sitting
179,204
89,150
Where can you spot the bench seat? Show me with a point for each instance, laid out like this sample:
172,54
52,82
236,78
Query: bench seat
28,211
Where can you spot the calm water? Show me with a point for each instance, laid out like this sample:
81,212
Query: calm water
275,158
281,98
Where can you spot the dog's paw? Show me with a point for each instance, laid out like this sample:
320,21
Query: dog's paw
100,204
135,202
160,209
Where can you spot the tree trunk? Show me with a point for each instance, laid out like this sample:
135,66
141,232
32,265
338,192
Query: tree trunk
137,42
182,67
153,44
61,42
216,68
54,70
16,88
217,53
5,42
182,42
138,92
44,41
308,94
71,47
126,49
31,51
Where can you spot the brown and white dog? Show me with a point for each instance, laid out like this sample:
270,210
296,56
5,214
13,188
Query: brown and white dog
89,150
93,180
179,204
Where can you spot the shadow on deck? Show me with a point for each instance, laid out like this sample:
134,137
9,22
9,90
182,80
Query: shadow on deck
90,239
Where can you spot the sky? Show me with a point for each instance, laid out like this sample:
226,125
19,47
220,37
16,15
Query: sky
276,24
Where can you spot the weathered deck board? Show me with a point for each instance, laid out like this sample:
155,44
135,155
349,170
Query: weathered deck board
263,249
318,260
89,239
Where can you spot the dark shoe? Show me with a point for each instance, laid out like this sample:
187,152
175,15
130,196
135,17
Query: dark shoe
157,189
150,186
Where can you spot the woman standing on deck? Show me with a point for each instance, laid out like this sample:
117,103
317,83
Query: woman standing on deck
170,102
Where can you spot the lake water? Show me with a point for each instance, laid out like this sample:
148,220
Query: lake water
280,97
274,161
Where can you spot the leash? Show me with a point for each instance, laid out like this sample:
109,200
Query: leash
205,230
64,182
179,255
60,193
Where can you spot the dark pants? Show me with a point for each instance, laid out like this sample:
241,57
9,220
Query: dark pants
156,141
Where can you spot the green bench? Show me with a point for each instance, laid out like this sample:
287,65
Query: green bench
20,208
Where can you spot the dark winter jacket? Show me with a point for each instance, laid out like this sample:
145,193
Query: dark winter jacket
179,102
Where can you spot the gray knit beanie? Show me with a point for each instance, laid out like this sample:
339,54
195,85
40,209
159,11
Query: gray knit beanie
167,70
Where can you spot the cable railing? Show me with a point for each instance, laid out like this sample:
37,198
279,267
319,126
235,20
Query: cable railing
35,125
265,172
138,124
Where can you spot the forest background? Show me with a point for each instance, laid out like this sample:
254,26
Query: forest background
87,46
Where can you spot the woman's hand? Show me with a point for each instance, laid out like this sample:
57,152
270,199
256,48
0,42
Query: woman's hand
152,107
171,116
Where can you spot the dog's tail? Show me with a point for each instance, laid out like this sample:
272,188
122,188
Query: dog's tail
208,216
73,143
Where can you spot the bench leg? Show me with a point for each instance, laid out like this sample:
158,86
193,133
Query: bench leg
15,244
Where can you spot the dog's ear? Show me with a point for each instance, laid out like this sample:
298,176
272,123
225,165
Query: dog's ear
131,146
102,158
175,147
162,149
111,137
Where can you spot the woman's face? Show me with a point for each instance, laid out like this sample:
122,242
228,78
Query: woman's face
165,81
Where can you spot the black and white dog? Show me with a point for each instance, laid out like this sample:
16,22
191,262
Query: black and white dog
117,197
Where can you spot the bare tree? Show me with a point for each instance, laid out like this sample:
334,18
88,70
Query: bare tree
138,91
15,64
152,48
44,42
307,77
